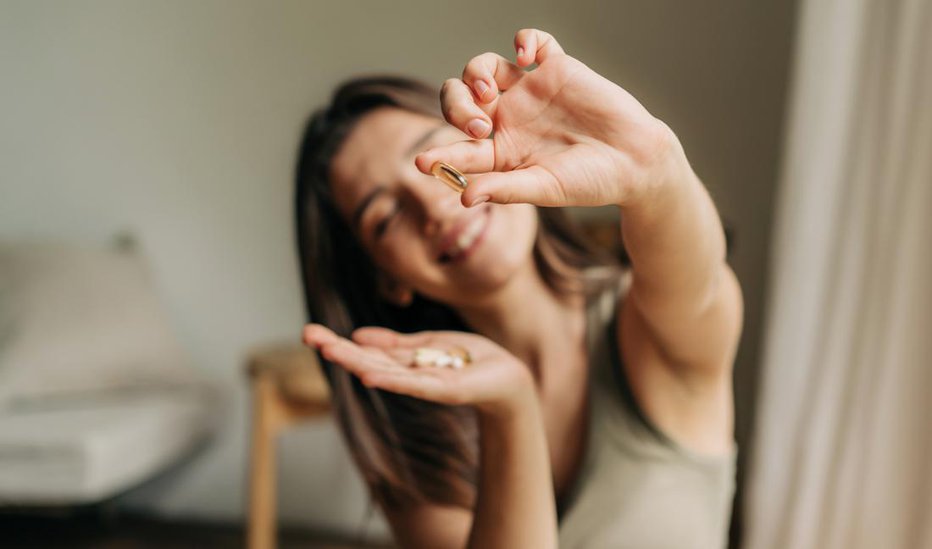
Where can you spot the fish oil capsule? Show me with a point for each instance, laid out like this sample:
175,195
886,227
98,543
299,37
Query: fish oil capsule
449,175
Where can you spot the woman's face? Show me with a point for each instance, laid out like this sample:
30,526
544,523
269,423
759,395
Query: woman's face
413,226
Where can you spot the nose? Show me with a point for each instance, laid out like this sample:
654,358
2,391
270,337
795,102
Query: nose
440,205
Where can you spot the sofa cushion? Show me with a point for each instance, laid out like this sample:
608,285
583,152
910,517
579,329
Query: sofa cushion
79,320
94,448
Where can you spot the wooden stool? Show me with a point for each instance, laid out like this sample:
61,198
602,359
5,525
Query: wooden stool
287,386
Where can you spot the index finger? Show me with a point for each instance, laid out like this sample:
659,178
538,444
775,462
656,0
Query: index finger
470,156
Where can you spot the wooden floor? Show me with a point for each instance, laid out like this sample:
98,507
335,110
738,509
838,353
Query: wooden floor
86,531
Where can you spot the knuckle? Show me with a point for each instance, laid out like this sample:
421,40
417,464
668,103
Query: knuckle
450,88
529,32
453,112
473,63
447,86
476,67
489,59
470,154
658,140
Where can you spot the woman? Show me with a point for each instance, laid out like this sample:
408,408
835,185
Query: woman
596,410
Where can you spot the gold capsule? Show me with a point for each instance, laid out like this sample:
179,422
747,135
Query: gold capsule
449,175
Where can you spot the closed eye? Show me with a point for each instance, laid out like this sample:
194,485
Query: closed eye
382,225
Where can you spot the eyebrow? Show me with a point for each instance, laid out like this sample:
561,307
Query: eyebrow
369,198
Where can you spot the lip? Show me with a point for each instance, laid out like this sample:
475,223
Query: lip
464,255
449,239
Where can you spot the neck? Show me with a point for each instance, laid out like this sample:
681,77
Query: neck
523,315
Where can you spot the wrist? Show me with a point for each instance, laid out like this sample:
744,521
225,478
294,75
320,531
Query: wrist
661,165
520,402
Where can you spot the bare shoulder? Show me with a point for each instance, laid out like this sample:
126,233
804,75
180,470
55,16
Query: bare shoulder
681,372
429,525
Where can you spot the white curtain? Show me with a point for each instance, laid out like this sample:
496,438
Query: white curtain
842,456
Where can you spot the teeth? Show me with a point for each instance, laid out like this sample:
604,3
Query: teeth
466,238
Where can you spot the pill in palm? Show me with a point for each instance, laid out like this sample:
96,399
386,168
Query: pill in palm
426,356
456,357
452,177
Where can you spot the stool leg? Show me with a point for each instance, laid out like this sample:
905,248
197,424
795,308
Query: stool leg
262,497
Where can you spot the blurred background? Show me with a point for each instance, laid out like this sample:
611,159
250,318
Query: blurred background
147,153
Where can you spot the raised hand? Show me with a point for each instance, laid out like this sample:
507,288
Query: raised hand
563,134
494,381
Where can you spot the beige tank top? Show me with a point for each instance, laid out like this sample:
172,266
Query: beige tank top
637,488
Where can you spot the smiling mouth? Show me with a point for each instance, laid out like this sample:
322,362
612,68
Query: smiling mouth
466,240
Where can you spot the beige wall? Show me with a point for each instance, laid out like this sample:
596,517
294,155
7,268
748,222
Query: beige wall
179,121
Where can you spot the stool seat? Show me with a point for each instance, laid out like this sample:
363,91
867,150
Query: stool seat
295,370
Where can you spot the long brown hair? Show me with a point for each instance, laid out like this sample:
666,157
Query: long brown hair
407,449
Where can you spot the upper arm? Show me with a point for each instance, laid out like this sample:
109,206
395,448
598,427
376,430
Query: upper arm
429,525
697,337
679,363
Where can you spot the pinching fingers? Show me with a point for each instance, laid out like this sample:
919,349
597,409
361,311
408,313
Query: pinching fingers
490,73
461,110
535,46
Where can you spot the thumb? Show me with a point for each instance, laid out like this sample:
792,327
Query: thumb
533,185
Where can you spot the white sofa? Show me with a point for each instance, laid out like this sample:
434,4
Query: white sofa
96,394
84,452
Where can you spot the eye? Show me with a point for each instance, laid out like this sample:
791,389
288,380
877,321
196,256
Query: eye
383,223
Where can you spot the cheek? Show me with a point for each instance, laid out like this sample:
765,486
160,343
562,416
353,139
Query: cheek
516,229
401,254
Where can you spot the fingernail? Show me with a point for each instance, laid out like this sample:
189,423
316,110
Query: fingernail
479,200
520,51
481,88
478,127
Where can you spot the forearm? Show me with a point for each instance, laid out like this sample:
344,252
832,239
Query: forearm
515,505
674,238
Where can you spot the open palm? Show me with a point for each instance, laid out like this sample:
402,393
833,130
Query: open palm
384,358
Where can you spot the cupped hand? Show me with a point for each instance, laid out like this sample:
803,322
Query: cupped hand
494,381
563,134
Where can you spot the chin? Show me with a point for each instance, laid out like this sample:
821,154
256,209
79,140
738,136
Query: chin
506,250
